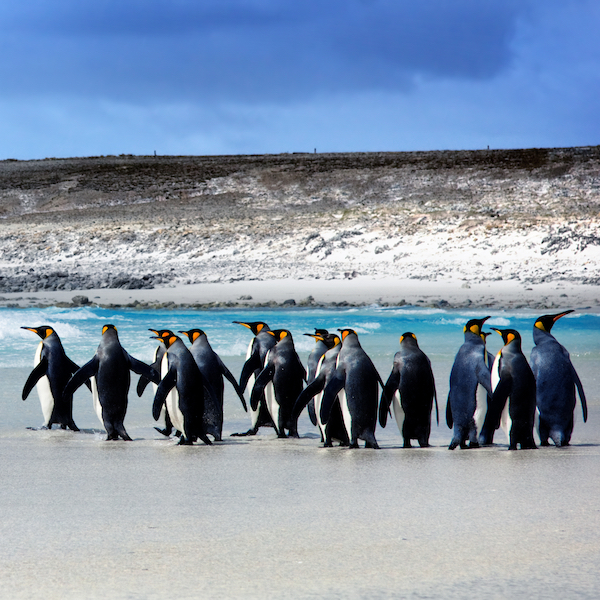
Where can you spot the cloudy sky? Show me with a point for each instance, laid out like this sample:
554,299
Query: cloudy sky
267,76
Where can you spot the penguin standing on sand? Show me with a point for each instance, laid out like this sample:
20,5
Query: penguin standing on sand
213,370
281,382
468,371
156,365
109,375
51,373
182,390
410,389
556,380
262,342
334,430
486,427
355,380
513,380
312,364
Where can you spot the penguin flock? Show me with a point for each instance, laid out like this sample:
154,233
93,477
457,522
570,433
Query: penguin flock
342,390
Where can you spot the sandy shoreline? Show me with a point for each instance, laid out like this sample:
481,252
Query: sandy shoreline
360,291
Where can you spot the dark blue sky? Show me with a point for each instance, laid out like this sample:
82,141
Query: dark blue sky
266,76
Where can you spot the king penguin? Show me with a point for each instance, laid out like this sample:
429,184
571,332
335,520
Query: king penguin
556,380
513,380
213,370
411,390
51,373
109,374
355,380
320,335
334,430
468,371
261,343
280,381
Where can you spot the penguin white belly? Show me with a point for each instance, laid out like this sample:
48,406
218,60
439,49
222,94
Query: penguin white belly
272,404
399,413
345,412
96,399
481,406
506,421
43,388
172,399
318,401
253,413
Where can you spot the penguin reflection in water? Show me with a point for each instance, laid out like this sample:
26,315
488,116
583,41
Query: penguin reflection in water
410,389
109,375
556,380
182,391
51,373
468,372
512,380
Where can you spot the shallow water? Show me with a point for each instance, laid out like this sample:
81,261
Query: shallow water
263,517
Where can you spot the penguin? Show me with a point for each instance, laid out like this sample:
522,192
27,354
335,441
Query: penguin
143,381
213,370
410,389
312,363
262,342
51,373
468,371
109,374
556,380
355,380
486,427
182,390
280,382
513,380
334,429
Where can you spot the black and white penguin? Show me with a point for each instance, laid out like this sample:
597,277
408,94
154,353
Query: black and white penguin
182,391
156,365
312,363
513,380
261,343
109,375
468,372
51,373
355,380
556,380
213,370
334,430
410,389
280,381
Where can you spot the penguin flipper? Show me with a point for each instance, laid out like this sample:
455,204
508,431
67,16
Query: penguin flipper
387,394
499,398
229,376
81,376
306,395
250,366
40,370
483,375
449,419
141,368
312,413
74,368
581,394
164,387
142,385
332,389
259,385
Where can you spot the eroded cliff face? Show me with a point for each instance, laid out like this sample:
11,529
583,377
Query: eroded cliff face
135,222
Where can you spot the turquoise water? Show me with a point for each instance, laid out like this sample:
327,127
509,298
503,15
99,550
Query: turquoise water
439,332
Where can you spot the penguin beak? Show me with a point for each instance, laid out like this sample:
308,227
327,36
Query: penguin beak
557,317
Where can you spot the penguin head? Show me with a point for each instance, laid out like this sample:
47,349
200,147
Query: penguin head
409,338
508,335
346,331
475,325
168,340
161,333
255,327
193,334
43,331
109,328
319,334
332,340
483,335
546,322
280,334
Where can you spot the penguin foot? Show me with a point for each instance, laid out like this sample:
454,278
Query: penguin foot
407,444
164,432
245,433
